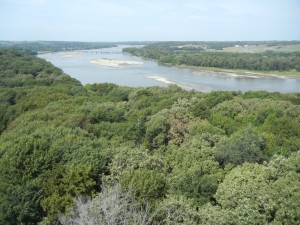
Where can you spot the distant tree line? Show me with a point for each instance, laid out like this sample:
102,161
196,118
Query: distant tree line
216,45
169,53
53,46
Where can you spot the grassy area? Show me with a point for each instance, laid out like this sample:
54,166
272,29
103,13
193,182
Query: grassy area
288,48
215,69
262,48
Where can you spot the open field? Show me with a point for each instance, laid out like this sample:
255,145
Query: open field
262,48
288,48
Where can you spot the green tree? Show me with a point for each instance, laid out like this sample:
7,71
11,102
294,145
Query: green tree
63,186
195,173
246,145
147,185
257,194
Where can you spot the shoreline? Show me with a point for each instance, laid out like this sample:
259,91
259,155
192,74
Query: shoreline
64,55
232,72
181,85
243,73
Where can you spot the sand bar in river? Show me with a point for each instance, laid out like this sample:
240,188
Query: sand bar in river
114,63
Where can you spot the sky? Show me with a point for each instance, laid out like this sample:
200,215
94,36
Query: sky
144,20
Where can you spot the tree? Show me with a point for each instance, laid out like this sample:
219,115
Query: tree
63,186
258,194
176,210
147,185
157,129
246,145
112,206
195,173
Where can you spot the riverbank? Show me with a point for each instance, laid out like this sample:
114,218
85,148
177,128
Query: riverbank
66,54
185,86
246,73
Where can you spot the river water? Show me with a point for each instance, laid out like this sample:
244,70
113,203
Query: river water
113,66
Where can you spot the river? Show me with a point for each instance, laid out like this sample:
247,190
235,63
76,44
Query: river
113,66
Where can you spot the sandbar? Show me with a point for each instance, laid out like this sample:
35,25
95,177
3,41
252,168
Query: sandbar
61,56
114,63
161,79
182,85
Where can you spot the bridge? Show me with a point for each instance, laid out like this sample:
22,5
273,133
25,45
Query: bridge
102,52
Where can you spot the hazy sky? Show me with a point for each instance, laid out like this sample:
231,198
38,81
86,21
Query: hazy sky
156,20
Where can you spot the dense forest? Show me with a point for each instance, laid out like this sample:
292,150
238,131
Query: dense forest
216,45
204,54
106,154
53,46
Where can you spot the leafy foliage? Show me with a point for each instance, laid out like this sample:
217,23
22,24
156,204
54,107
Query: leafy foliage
243,146
258,194
190,157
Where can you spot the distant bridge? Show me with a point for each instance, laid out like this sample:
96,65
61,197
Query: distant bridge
102,52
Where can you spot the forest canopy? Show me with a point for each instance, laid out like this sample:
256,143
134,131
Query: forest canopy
151,155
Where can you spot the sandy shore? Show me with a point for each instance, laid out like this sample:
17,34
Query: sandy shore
114,63
161,79
225,74
61,56
249,75
184,86
241,74
71,55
